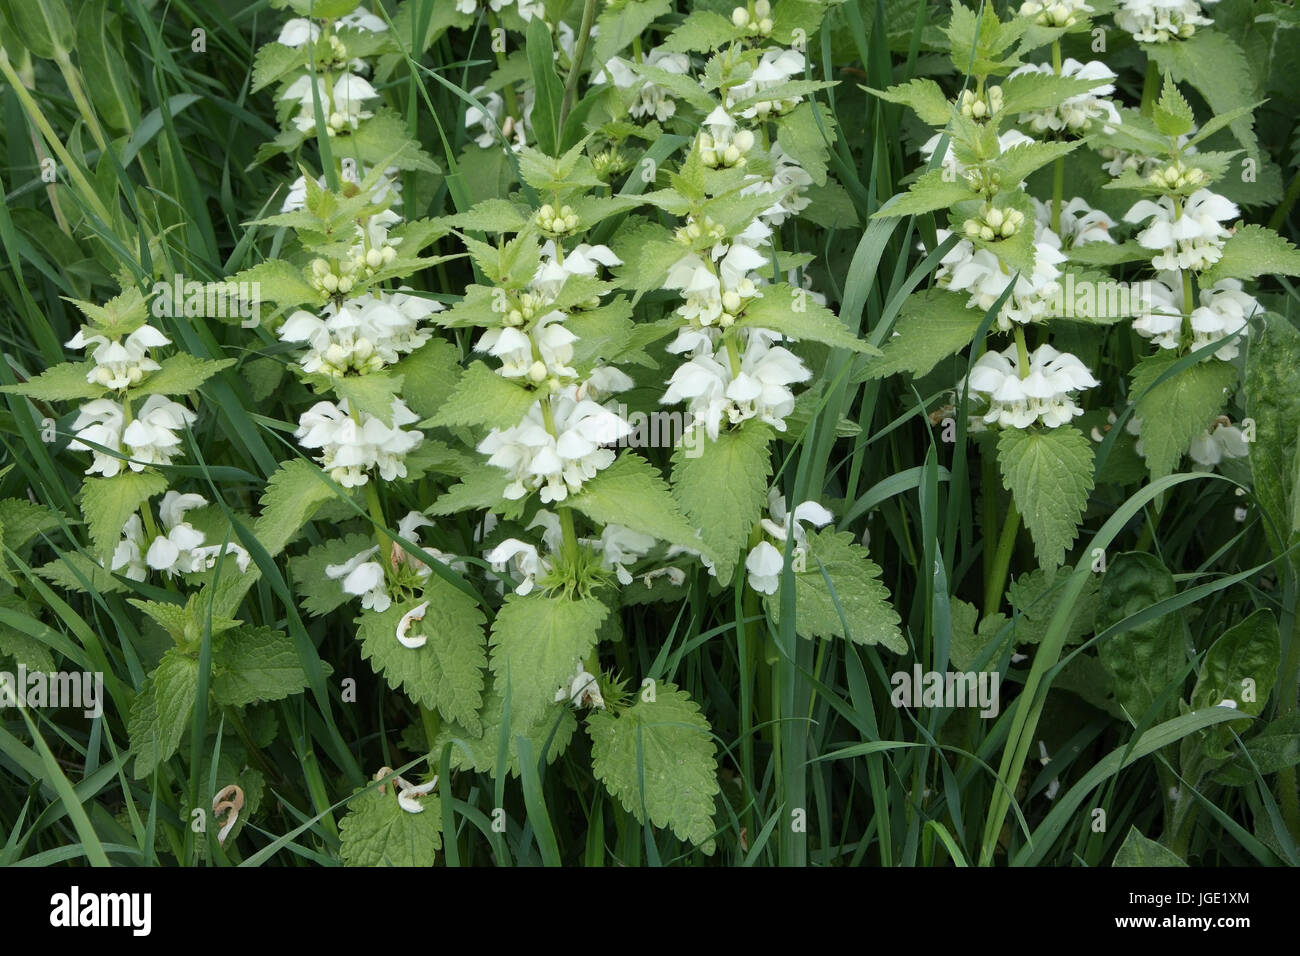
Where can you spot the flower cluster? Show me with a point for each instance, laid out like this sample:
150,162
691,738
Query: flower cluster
1040,391
352,444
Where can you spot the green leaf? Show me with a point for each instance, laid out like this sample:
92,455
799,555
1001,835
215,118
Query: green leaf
1173,114
1036,594
537,642
292,496
631,493
1240,665
794,314
1274,748
1250,252
1144,660
274,61
20,521
1049,473
1211,61
854,589
548,91
480,488
161,711
482,397
377,832
1272,392
1137,850
254,664
930,192
804,141
180,374
492,215
932,325
1030,92
723,490
107,503
1016,163
60,383
447,671
382,141
429,375
372,393
278,282
701,32
925,97
617,26
1180,408
321,594
657,757
482,747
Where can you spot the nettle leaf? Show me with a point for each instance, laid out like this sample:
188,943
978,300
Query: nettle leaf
1108,253
1029,92
160,713
1016,163
537,642
382,140
970,641
180,374
482,397
257,663
723,489
1172,113
930,192
293,494
376,831
60,383
447,671
1035,595
107,503
1240,667
805,141
658,758
372,393
275,61
279,282
648,251
925,97
1144,660
320,594
932,325
618,26
1272,392
1212,62
482,487
1137,850
794,314
1049,473
555,727
1253,251
630,492
20,521
853,586
1180,408
73,568
20,647
701,32
1274,748
981,44
429,375
492,215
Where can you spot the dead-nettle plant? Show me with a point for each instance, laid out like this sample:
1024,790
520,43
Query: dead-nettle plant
1009,261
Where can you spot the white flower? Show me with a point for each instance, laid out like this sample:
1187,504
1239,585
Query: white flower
120,364
582,691
1224,311
1159,21
619,546
166,551
100,421
1221,440
953,167
516,349
364,334
343,105
493,121
788,183
521,559
984,276
350,448
1055,13
363,19
765,561
1080,223
127,555
404,625
407,794
1045,393
363,578
1075,114
762,388
774,69
722,143
297,32
648,98
1190,240
151,439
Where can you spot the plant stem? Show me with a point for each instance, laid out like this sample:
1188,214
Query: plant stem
579,51
377,515
996,583
1149,84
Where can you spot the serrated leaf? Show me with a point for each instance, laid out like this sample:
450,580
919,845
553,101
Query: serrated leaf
932,325
1212,61
1272,392
854,586
803,140
60,383
618,26
447,671
372,393
1250,252
382,141
254,664
107,503
1137,850
658,758
923,96
482,397
20,521
321,594
794,314
274,61
930,192
1180,408
723,490
292,496
376,831
555,726
1035,595
160,713
1049,473
180,374
701,32
536,644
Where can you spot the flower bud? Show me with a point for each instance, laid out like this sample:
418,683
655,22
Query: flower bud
537,372
739,17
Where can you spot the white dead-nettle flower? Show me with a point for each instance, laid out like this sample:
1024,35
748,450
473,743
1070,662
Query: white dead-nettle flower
342,105
363,19
721,142
128,557
181,549
582,690
1054,787
363,578
1055,13
350,448
788,184
1159,21
1228,702
408,528
408,794
774,69
1224,310
543,351
493,122
555,465
297,32
410,619
619,546
1080,223
604,380
582,260
954,167
150,439
648,99
1046,393
1221,440
388,189
100,421
766,560
984,277
363,334
521,560
527,8
120,363
1076,114
1190,239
